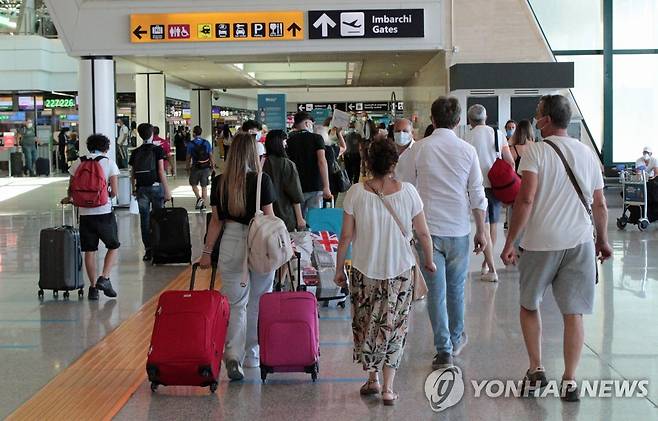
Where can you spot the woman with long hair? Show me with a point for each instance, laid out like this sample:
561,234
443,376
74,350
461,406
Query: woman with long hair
233,201
285,178
522,135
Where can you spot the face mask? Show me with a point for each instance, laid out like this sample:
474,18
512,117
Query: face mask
402,138
509,133
646,156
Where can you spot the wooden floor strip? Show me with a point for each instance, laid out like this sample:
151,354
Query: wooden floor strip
99,383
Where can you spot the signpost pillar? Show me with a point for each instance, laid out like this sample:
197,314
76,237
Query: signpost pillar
201,106
150,97
96,100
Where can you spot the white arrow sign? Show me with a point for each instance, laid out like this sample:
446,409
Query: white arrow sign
301,107
325,21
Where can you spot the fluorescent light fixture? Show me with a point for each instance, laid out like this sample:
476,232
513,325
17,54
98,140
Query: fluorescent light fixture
252,75
4,21
240,66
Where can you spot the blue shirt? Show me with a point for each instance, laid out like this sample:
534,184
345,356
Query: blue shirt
198,141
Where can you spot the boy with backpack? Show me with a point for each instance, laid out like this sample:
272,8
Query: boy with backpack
200,164
149,181
94,180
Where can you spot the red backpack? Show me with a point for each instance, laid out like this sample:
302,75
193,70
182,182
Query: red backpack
505,182
89,185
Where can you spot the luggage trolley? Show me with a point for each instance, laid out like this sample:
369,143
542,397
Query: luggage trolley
634,193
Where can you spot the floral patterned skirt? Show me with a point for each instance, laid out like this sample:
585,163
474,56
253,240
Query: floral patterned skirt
380,319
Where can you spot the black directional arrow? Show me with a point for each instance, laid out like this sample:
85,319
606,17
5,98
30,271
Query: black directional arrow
138,32
294,28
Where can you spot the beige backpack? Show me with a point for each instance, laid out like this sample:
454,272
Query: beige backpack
268,241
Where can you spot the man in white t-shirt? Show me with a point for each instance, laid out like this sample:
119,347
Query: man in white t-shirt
99,223
123,135
449,181
558,245
490,145
648,162
404,141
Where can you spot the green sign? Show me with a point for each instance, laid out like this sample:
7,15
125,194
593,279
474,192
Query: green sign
59,103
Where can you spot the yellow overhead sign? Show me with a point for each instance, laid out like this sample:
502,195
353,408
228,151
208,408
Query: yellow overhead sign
214,27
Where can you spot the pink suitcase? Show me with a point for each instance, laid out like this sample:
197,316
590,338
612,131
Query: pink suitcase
289,333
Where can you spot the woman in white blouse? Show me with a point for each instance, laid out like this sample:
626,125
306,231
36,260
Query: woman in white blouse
382,283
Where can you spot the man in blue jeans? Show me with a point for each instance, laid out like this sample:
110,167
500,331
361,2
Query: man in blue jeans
29,144
449,180
149,181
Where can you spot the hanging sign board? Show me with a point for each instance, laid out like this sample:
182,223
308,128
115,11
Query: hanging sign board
217,27
355,24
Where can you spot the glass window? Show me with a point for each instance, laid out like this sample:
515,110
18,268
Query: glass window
635,109
571,25
635,24
588,91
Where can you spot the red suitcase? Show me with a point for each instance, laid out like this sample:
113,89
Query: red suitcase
188,337
289,333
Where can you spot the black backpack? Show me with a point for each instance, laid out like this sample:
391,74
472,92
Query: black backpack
145,164
200,156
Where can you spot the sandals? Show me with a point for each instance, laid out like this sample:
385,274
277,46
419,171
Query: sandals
391,401
367,389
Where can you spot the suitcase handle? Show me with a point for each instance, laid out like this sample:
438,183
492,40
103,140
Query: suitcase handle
196,266
74,219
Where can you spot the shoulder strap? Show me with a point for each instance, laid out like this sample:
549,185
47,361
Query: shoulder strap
83,159
496,140
571,176
258,182
390,210
98,158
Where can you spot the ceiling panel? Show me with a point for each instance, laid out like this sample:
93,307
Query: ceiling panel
298,70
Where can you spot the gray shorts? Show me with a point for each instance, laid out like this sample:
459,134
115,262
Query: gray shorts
571,273
199,176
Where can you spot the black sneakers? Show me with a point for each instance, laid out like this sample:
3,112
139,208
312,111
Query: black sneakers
105,285
534,381
93,294
199,204
442,360
569,391
148,256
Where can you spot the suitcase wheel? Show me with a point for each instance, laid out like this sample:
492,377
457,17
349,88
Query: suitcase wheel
81,293
213,387
314,373
263,373
154,386
55,293
66,295
40,294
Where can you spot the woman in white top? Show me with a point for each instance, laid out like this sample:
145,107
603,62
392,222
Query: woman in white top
382,263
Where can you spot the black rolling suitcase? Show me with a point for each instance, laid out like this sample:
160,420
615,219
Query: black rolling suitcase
60,259
43,166
16,164
170,236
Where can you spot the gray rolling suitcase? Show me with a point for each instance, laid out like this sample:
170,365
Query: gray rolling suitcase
60,260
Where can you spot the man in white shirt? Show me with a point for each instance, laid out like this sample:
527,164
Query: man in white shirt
123,135
490,145
647,161
404,141
558,245
99,223
449,181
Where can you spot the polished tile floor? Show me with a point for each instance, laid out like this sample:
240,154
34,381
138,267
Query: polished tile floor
37,340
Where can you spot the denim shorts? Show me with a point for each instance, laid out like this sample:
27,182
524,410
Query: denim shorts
494,207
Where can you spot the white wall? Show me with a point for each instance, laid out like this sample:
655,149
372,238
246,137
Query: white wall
427,85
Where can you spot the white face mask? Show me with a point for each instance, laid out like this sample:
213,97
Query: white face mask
646,156
402,138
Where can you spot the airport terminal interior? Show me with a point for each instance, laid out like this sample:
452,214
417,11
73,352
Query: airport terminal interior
217,70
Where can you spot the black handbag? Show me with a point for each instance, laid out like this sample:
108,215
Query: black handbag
338,178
